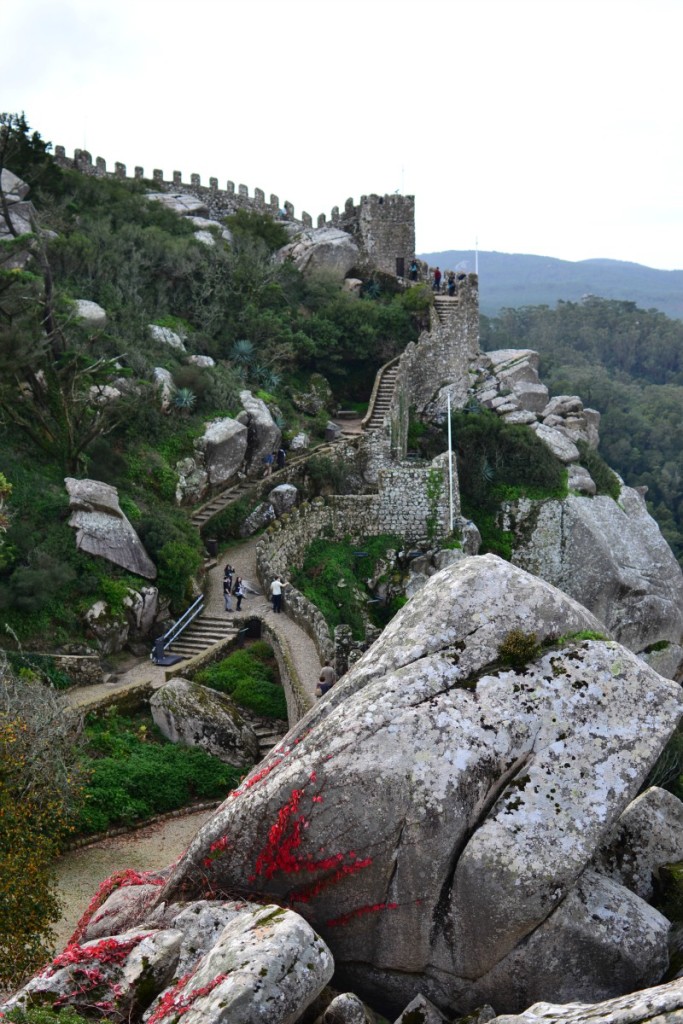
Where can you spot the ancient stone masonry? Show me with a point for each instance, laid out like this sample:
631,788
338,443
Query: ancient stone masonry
383,226
219,202
412,502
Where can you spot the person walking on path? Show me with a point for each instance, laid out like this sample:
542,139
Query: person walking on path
268,462
276,593
328,677
436,285
238,592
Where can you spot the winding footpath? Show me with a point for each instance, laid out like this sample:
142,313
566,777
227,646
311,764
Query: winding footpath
291,637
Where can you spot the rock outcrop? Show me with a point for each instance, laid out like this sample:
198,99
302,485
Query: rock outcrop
223,447
103,530
329,251
218,962
608,555
264,434
197,716
472,873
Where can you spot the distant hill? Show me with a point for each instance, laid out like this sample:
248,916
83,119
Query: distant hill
513,280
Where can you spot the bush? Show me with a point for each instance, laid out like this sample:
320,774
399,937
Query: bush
226,525
519,648
249,677
333,578
133,774
606,482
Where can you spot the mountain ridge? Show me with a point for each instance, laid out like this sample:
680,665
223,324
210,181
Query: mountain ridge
510,280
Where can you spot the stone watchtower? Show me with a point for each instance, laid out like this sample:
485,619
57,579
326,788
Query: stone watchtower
383,227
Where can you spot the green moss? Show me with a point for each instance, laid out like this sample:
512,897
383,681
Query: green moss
519,648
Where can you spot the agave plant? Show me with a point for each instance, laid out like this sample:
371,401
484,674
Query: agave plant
267,378
184,400
243,352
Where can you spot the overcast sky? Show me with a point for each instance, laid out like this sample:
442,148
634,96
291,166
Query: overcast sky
533,126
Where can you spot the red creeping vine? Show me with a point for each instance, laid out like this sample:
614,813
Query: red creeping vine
174,1002
87,962
374,908
119,880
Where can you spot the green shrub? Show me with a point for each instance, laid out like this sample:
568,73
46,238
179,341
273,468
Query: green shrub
226,525
133,774
45,1015
519,648
333,578
606,482
249,677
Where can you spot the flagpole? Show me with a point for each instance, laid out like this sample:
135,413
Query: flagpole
450,463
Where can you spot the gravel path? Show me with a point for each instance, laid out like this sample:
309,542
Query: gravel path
80,872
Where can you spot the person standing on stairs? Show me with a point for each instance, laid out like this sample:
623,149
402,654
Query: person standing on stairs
436,283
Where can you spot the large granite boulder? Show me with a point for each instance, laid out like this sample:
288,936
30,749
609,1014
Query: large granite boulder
438,815
222,447
20,210
329,251
264,433
91,313
165,336
609,556
181,203
103,530
217,963
660,1005
197,716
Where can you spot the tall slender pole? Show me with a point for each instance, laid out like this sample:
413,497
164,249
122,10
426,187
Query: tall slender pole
450,463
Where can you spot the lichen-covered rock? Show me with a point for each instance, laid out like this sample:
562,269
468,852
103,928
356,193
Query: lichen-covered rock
264,435
283,498
103,530
117,976
165,336
205,362
648,835
261,516
579,479
421,1010
265,967
327,250
345,1008
181,203
660,1005
562,447
609,556
665,658
90,313
197,716
109,630
437,816
193,481
141,609
163,383
222,447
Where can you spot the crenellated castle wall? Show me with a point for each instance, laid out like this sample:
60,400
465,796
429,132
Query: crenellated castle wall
383,226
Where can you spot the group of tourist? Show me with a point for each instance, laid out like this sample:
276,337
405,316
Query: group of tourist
233,586
449,285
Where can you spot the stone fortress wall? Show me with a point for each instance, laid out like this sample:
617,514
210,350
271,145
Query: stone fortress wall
402,506
383,226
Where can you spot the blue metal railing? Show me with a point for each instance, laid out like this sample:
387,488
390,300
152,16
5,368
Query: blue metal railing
163,642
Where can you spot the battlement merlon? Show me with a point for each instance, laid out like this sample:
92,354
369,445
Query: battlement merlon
383,226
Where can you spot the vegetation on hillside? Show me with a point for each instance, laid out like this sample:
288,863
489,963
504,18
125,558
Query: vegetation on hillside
265,326
627,363
250,677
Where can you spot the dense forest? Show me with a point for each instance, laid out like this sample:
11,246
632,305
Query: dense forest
627,363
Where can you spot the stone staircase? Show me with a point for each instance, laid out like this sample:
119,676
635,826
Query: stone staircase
445,307
203,632
382,395
268,737
219,502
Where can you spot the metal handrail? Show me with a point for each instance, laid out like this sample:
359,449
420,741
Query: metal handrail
188,616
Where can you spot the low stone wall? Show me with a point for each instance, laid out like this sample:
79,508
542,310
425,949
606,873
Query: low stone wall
298,701
82,669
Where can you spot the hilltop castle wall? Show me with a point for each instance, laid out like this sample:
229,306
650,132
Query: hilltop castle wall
383,226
